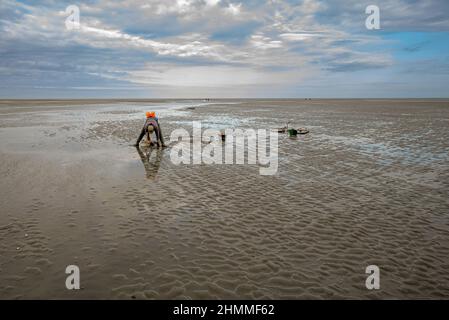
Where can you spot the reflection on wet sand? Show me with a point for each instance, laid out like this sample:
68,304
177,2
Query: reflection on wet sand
151,164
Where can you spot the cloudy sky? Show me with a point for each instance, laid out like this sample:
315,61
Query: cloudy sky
224,48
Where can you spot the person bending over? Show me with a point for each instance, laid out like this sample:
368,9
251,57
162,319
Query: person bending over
151,125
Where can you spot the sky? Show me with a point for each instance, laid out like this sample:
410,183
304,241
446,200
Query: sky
224,49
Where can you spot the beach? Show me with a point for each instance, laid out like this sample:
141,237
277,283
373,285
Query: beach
369,185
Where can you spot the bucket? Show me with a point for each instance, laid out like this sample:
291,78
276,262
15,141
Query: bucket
292,132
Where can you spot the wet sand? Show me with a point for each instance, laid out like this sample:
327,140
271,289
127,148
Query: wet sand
368,185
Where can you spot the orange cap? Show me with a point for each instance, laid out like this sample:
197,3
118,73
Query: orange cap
150,114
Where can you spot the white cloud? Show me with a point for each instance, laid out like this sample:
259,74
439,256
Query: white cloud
188,49
212,2
263,42
234,9
208,76
180,42
297,36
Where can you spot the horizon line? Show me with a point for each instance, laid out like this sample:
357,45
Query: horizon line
240,98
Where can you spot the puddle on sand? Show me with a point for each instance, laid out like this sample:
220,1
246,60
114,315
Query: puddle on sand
388,153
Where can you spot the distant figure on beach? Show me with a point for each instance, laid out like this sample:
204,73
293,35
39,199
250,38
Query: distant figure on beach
151,125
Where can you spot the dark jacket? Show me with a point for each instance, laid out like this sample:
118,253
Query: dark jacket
157,130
